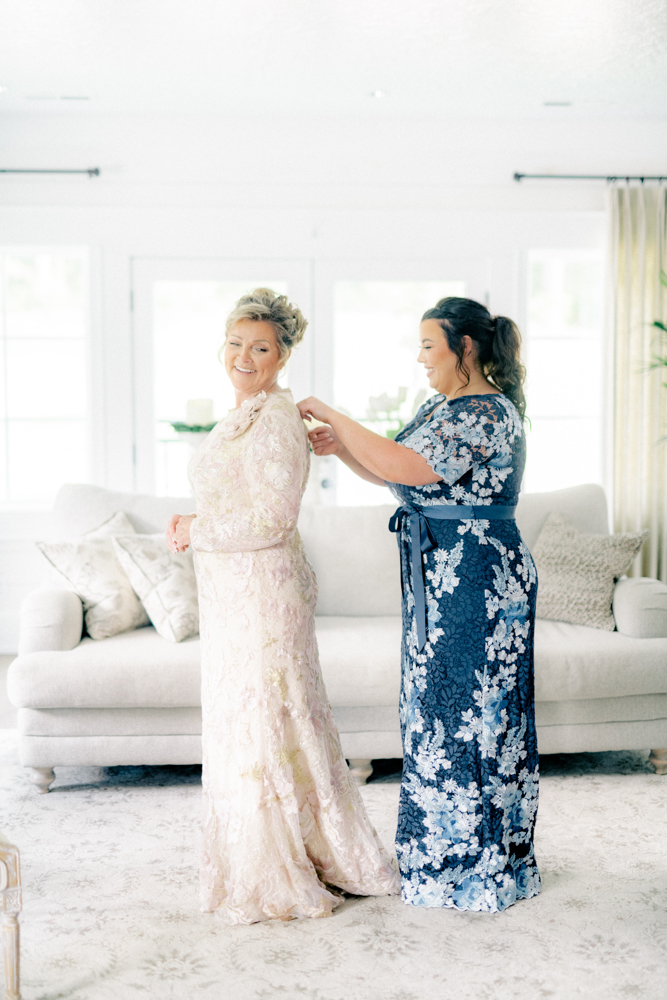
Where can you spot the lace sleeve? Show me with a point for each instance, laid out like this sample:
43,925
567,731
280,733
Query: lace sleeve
457,438
265,512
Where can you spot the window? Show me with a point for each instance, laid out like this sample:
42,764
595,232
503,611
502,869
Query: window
377,378
565,364
43,375
188,331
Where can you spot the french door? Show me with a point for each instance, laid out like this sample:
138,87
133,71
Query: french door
359,352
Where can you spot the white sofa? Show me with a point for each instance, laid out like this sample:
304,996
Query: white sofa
134,698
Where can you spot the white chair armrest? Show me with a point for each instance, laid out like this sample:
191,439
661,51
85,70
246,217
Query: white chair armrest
640,607
50,619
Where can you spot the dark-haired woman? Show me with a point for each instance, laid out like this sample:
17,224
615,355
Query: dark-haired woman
470,770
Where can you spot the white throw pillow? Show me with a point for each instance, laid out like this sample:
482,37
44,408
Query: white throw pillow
91,569
164,581
576,572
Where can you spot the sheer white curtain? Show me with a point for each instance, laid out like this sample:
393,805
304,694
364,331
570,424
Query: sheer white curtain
638,253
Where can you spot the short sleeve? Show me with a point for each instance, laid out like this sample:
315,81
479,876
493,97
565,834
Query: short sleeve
456,439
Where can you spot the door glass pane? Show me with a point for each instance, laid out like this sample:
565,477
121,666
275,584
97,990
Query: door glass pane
43,375
565,369
188,331
376,375
44,295
47,377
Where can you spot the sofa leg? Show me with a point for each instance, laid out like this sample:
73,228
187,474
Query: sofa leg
43,777
360,769
659,760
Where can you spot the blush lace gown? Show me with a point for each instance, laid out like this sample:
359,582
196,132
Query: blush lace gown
282,819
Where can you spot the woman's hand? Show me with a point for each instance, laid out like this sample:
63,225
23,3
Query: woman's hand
313,407
325,441
178,532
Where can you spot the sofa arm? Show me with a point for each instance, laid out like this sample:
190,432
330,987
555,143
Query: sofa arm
50,619
640,607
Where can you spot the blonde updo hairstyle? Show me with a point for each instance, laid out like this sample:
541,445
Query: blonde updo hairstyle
286,319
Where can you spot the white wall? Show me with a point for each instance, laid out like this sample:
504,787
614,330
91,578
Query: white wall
358,190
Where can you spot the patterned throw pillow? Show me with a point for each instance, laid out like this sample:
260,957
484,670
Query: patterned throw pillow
577,572
164,582
91,569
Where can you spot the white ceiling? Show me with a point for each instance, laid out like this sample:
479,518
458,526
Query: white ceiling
442,58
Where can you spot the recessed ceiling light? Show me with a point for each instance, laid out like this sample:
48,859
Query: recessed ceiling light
3,89
557,104
378,93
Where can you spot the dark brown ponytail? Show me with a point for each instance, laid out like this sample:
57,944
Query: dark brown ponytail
505,369
498,344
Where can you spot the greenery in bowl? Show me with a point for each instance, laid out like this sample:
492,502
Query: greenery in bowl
182,428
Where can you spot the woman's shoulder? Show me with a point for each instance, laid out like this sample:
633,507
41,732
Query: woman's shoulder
478,407
490,419
280,411
280,403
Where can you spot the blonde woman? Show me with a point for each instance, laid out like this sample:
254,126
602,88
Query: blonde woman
283,821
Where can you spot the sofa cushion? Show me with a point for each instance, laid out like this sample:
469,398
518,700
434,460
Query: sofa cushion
133,670
350,548
574,662
361,659
360,662
163,581
91,568
79,507
577,571
584,506
355,558
353,553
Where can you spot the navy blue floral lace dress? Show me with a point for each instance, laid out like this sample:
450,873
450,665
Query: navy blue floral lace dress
470,771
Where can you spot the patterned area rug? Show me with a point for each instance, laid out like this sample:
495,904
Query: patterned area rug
110,900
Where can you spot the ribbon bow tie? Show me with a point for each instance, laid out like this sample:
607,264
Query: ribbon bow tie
422,540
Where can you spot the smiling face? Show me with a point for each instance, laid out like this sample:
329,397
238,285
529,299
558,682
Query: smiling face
252,359
438,358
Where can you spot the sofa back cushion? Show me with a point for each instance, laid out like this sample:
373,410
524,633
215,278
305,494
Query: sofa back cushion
350,548
355,558
79,508
585,507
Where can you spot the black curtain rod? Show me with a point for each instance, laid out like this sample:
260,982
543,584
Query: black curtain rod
91,171
585,177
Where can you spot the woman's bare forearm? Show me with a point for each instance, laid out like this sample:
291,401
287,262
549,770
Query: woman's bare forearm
359,469
386,460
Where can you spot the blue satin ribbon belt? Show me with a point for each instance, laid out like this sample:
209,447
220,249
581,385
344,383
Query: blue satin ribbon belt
422,540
